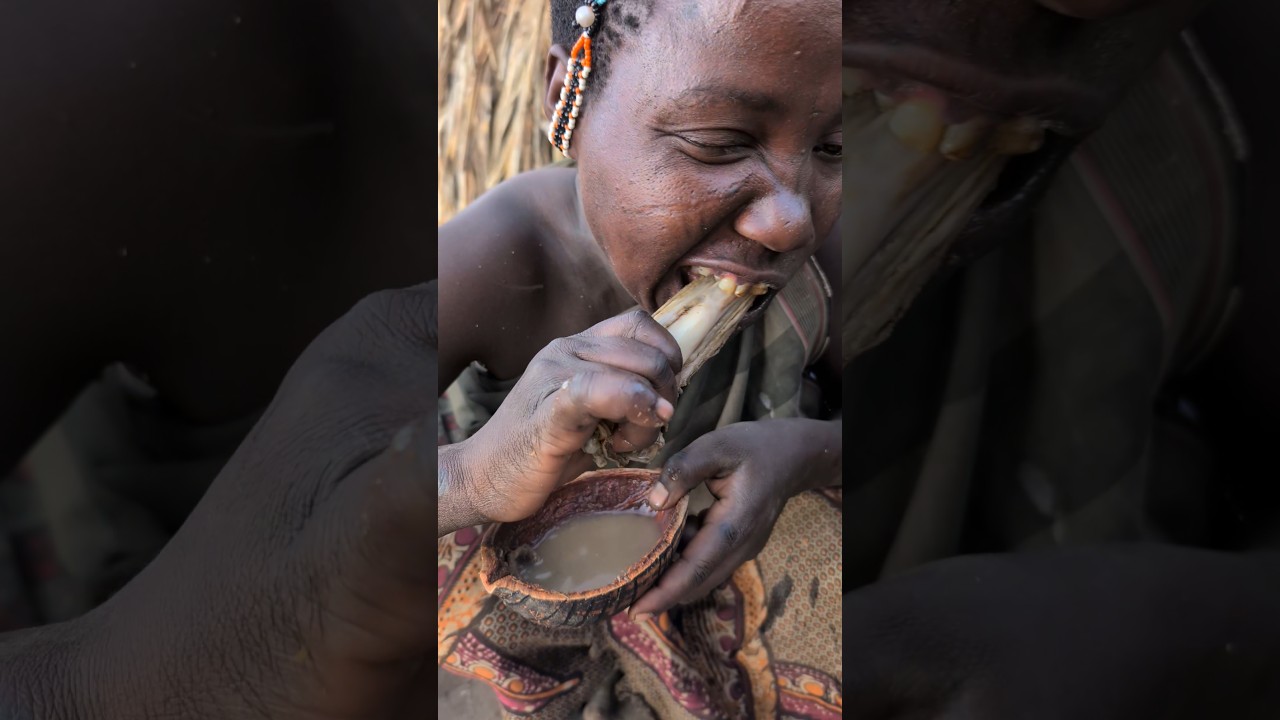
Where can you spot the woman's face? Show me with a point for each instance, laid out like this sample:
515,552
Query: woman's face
716,142
957,115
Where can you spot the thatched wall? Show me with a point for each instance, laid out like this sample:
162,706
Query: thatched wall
490,125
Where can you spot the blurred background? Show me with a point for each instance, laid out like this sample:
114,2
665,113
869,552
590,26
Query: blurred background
490,125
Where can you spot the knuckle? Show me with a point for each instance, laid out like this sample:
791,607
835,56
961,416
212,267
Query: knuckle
581,385
558,348
636,320
407,317
657,366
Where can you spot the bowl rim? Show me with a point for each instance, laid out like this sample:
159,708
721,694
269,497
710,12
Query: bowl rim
671,528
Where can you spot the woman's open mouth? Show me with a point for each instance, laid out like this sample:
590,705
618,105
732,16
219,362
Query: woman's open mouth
730,283
920,163
710,307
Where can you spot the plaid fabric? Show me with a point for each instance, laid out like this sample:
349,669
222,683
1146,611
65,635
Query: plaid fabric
1016,405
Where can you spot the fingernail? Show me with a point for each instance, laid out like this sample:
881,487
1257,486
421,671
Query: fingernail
642,617
665,409
658,496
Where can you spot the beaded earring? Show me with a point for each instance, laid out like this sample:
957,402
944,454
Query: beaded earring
575,79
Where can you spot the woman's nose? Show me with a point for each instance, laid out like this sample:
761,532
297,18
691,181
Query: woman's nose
1091,9
780,221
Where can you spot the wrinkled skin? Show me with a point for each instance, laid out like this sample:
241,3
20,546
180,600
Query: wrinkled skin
202,224
728,159
721,157
621,370
211,628
296,589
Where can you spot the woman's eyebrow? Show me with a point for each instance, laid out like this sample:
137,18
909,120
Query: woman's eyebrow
719,95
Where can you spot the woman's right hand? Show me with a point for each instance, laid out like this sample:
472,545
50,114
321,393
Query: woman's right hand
622,370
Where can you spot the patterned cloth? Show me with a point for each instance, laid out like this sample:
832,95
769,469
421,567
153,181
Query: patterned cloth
765,645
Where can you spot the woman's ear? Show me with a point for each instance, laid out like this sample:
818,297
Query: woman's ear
557,66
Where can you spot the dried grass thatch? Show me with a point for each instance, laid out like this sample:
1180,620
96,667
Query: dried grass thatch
489,121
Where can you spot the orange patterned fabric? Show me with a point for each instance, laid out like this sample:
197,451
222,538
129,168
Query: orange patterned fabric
766,645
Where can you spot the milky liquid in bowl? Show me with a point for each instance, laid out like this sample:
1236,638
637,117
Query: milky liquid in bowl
589,551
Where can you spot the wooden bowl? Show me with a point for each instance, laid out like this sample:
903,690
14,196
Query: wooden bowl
598,491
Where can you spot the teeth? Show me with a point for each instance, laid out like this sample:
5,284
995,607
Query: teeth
918,124
960,141
701,318
1020,136
917,118
885,101
729,284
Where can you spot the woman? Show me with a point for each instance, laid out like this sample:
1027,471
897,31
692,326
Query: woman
727,162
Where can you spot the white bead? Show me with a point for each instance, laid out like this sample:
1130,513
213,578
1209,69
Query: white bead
585,17
574,111
564,94
586,71
572,122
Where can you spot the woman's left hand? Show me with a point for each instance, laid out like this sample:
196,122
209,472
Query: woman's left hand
752,469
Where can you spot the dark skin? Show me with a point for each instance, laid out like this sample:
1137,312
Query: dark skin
296,585
214,628
728,160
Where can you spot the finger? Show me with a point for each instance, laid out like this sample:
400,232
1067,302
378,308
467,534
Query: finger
576,465
639,325
703,459
632,438
710,558
633,356
607,394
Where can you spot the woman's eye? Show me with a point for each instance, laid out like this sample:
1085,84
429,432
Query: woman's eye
831,150
722,149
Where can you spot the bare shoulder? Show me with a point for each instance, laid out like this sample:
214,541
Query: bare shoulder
496,258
